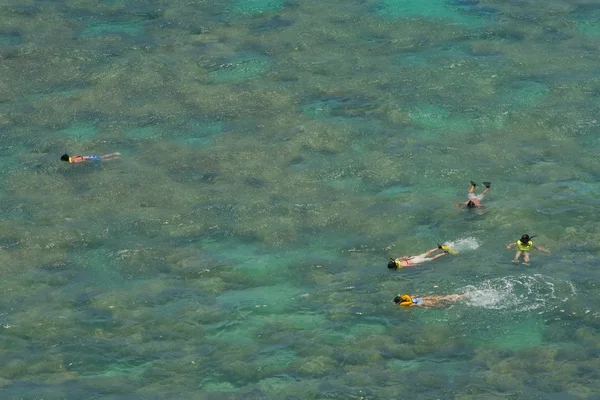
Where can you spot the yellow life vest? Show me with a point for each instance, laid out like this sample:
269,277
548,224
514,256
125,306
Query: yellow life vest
406,300
523,247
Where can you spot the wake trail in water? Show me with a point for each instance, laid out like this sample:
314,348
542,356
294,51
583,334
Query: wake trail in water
463,244
519,293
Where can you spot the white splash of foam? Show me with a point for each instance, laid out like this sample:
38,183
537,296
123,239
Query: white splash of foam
464,244
518,293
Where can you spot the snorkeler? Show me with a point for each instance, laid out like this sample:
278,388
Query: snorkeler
427,301
78,159
474,199
409,261
524,245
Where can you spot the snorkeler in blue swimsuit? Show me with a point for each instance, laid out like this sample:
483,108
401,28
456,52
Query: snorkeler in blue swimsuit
79,159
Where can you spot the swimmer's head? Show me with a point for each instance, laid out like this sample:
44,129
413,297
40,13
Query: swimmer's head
470,204
65,157
392,264
402,298
526,238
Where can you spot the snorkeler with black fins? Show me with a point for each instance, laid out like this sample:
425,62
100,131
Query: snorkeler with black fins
474,200
524,245
427,301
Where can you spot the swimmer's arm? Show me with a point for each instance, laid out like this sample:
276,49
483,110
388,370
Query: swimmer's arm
461,203
511,245
545,250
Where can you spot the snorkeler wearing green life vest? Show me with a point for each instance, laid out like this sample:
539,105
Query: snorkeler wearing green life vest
524,245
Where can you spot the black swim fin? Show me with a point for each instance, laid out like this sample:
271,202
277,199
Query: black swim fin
487,184
473,184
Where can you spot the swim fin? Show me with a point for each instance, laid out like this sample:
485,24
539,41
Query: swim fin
487,184
473,184
448,249
515,261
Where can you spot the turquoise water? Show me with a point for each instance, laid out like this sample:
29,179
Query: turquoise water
275,155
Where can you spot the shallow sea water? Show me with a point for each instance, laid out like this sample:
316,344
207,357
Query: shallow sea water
275,155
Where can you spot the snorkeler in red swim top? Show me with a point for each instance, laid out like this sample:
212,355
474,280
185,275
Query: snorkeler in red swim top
78,159
409,261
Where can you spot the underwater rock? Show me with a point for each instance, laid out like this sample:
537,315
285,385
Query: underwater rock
296,160
254,182
239,370
255,394
7,243
400,351
465,2
273,23
210,285
241,68
315,366
85,299
502,382
27,10
340,106
209,177
252,8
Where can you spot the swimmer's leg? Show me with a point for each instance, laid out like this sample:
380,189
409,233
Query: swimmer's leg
517,255
472,188
487,188
111,155
526,257
428,252
436,256
453,297
94,158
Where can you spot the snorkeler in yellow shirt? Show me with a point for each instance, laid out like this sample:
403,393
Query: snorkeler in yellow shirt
427,301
